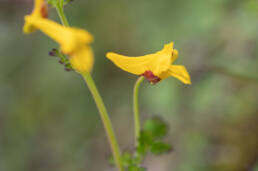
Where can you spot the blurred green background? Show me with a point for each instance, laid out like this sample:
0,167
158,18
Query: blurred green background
49,122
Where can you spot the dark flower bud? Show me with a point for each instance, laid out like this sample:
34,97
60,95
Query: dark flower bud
61,62
53,52
68,69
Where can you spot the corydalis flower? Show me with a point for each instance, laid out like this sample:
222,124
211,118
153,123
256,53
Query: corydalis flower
73,41
154,67
40,11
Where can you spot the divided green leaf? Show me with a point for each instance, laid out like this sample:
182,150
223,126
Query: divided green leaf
160,148
154,130
156,127
150,140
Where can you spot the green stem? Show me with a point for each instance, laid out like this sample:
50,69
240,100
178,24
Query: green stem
137,123
105,119
60,10
99,102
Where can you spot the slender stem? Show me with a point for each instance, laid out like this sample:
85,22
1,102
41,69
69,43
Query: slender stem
60,11
99,102
105,119
137,123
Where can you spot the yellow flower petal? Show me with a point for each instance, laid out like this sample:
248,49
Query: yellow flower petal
174,55
179,72
156,63
39,11
70,39
82,60
134,65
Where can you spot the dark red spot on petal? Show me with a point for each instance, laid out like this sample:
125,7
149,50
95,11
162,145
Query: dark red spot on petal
151,77
44,10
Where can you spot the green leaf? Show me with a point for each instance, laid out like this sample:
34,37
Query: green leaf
156,127
150,137
127,159
154,130
144,141
160,148
111,160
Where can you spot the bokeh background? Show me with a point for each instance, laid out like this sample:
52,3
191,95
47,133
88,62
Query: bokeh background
49,122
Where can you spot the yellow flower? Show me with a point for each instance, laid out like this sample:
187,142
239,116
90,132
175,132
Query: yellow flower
70,39
73,41
40,11
154,67
82,60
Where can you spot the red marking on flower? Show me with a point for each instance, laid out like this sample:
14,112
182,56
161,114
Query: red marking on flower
151,77
44,10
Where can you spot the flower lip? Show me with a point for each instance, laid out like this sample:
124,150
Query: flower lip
151,77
